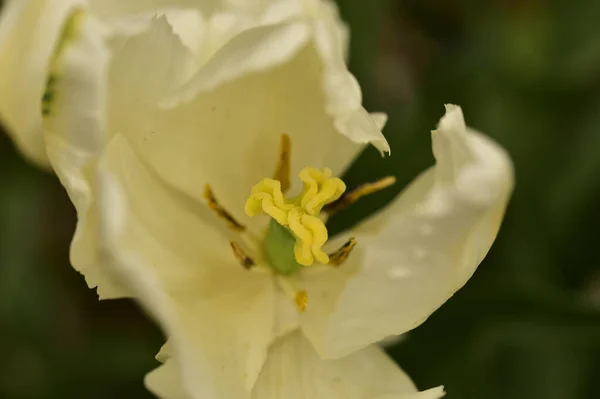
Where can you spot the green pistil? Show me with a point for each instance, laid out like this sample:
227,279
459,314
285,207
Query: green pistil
279,249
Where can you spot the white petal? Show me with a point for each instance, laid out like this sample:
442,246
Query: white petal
143,69
414,255
219,317
287,318
30,30
188,24
92,96
229,137
256,50
380,119
165,382
344,98
109,9
74,135
294,371
287,77
182,238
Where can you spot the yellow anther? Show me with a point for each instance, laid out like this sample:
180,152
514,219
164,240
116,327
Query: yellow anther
301,300
340,256
241,256
357,193
282,172
220,211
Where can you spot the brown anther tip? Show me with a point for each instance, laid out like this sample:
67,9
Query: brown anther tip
340,256
207,193
241,256
282,170
220,211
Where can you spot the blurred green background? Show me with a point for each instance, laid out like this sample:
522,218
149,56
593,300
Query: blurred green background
526,326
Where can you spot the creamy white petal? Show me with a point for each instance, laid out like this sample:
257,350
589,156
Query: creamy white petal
78,121
164,381
294,371
344,98
288,77
185,241
257,49
187,23
74,135
218,316
238,126
143,69
414,255
108,9
287,318
30,31
380,119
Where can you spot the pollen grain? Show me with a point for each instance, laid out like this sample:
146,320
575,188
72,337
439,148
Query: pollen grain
301,300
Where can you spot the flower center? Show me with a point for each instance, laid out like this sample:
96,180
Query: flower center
295,227
296,233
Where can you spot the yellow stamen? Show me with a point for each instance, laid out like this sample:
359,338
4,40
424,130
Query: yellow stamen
282,172
241,256
357,193
340,256
301,300
299,214
220,211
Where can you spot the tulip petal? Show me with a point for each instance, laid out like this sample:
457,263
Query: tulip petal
344,98
30,31
420,250
218,316
294,371
74,135
79,121
110,9
229,136
164,381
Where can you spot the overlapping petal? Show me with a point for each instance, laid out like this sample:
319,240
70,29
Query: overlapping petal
294,371
420,250
94,97
220,318
236,122
114,9
30,31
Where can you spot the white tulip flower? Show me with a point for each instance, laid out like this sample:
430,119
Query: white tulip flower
146,120
273,310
